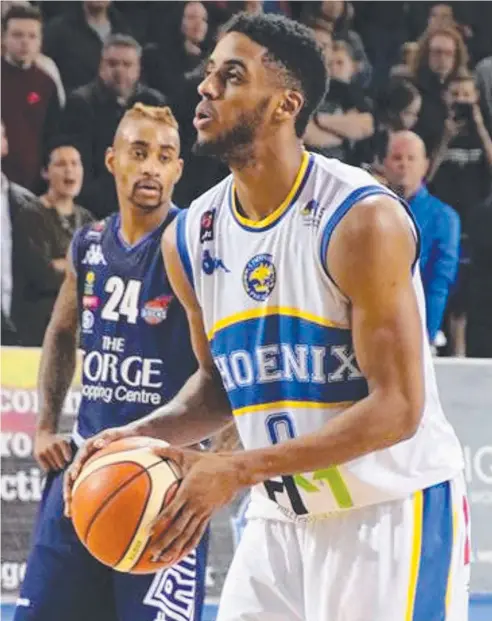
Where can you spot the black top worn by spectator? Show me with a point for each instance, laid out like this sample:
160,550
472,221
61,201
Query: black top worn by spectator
340,98
33,276
166,62
76,47
463,178
91,117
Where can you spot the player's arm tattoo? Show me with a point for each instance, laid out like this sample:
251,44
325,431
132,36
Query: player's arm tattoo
58,358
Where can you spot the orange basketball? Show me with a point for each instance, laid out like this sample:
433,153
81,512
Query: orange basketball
119,491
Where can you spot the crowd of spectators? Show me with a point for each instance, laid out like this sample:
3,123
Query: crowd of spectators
410,99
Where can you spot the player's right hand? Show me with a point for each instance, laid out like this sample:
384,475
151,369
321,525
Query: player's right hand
52,451
87,449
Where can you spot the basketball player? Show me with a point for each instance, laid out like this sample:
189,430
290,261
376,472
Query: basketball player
137,354
314,339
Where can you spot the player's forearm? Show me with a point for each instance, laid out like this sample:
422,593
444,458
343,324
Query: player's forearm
352,125
372,424
56,372
198,411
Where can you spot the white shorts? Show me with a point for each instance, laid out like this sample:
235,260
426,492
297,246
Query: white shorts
406,560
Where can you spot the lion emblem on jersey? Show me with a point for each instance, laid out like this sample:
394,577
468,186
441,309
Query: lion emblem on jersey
259,277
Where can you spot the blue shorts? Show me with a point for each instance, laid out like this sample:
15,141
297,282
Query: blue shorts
63,582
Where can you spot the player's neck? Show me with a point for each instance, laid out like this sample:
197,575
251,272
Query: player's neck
262,186
135,225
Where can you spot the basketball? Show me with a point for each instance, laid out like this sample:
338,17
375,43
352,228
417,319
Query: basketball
119,491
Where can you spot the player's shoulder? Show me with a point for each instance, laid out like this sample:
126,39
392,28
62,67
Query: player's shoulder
340,175
216,198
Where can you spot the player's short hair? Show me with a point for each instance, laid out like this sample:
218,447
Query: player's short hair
57,142
122,40
294,53
159,114
21,11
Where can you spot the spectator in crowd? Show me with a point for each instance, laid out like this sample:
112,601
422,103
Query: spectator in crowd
405,167
30,104
483,80
408,53
461,169
167,62
94,111
441,16
441,55
479,303
343,118
397,108
42,61
26,270
336,15
63,173
342,63
74,40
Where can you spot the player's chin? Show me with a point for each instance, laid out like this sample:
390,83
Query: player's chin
147,206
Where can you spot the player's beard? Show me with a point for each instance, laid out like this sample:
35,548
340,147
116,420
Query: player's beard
235,147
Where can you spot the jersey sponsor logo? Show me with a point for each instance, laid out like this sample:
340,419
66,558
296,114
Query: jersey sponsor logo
173,591
90,279
155,311
312,213
87,321
259,277
207,226
90,301
96,230
94,256
210,264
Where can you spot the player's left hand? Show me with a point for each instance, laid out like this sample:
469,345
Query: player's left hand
210,481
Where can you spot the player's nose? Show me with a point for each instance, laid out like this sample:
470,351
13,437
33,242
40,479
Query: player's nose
209,87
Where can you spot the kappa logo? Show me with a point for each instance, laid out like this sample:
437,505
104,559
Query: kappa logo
94,256
210,263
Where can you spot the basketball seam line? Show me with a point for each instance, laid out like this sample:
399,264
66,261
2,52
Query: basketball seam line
116,491
142,514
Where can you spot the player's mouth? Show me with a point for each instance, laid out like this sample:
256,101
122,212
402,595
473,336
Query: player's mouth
148,187
204,115
69,183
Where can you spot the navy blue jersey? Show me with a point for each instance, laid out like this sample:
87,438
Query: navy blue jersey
133,330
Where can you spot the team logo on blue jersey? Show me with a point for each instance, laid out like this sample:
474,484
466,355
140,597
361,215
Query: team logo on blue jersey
96,230
90,279
155,311
259,277
210,263
87,321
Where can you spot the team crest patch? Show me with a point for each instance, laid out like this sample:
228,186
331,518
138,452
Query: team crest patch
259,277
155,311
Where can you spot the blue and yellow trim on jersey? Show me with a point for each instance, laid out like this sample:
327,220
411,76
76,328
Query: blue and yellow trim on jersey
341,211
432,549
182,246
272,219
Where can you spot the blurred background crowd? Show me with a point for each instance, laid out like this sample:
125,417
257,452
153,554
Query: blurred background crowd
410,99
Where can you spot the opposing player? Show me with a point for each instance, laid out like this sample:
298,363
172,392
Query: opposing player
310,330
137,356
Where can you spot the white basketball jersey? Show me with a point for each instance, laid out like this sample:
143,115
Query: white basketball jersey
279,331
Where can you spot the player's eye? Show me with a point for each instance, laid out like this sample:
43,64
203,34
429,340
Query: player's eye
139,154
165,158
233,77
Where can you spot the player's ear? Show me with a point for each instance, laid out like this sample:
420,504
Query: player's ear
290,106
179,170
109,159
